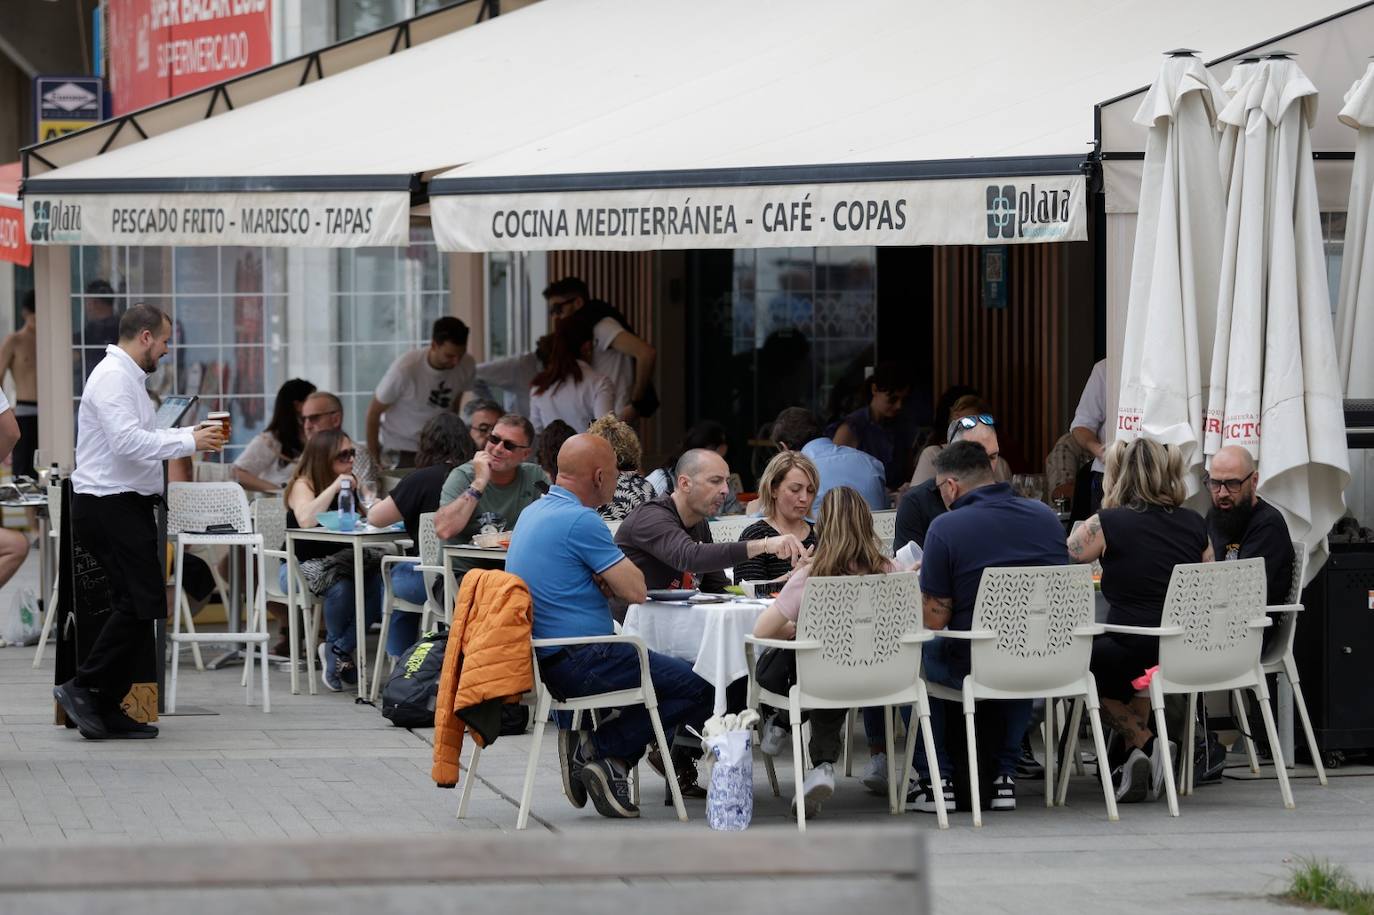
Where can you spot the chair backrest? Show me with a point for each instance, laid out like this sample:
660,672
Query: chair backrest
1286,624
859,621
728,528
885,526
1037,614
1299,572
269,520
1214,603
195,506
431,550
614,526
214,472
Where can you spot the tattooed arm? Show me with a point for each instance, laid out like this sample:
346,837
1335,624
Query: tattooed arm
937,610
1087,542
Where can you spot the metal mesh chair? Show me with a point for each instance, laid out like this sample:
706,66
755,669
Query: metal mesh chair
430,562
55,535
191,508
305,611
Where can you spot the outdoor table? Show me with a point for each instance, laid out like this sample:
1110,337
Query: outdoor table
363,535
709,635
45,553
466,551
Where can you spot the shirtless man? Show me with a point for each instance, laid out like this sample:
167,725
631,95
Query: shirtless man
19,357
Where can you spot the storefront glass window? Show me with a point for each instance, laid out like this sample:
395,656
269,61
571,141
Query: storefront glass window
358,17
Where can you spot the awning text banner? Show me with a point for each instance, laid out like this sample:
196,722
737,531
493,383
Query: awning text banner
281,220
972,211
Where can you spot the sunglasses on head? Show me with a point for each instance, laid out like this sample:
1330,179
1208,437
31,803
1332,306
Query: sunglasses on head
347,454
506,443
970,422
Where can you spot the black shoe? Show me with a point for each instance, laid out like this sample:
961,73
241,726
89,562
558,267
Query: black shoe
1132,778
920,796
1003,793
1027,766
685,765
344,668
83,708
608,785
572,748
120,726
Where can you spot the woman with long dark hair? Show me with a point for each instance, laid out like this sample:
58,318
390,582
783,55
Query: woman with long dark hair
445,442
325,464
569,388
270,458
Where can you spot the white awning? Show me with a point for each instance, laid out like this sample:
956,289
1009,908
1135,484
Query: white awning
641,124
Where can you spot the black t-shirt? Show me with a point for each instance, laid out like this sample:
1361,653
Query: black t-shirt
1267,538
313,549
1142,549
417,493
766,566
919,506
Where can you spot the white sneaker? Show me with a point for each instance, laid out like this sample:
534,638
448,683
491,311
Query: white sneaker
774,738
1157,767
875,779
817,787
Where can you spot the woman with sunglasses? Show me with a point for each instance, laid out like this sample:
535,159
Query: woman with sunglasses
328,571
1140,534
968,411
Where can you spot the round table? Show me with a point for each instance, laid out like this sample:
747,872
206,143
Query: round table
709,636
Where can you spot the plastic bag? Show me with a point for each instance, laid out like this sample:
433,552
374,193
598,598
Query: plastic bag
730,794
21,624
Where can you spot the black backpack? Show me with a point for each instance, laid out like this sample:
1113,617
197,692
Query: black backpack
409,695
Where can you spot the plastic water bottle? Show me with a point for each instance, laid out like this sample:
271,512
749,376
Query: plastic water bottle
348,511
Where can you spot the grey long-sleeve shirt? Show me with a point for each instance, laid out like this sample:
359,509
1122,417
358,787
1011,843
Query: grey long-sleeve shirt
655,539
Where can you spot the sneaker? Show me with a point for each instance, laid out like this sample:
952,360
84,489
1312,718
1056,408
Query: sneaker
572,757
1157,768
875,779
329,669
1028,767
1003,793
83,708
921,797
817,787
608,785
120,726
1132,778
346,669
774,737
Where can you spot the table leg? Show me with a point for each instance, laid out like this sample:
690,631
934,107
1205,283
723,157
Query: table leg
292,635
45,574
360,621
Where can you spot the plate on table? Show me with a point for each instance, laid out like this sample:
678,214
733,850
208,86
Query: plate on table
669,594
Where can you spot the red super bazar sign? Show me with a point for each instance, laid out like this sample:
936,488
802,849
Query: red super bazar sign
163,48
14,244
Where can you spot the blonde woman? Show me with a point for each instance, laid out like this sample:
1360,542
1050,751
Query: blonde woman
787,492
845,545
1140,534
631,488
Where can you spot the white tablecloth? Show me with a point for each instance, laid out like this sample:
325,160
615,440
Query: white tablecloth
710,636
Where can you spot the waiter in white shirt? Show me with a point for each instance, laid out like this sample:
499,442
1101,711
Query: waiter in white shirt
1089,426
117,484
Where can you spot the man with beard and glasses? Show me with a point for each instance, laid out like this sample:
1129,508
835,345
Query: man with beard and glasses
1243,526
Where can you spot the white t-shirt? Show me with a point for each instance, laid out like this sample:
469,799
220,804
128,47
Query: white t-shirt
1092,408
577,403
416,392
612,363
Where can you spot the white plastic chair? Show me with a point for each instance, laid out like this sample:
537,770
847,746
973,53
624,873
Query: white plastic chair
1209,641
269,520
191,507
1031,637
1277,659
431,563
858,644
55,536
613,526
885,526
728,528
543,702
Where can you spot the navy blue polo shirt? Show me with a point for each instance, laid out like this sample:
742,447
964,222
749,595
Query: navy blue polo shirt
989,526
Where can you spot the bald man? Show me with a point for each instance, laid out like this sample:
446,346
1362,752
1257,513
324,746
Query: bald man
1243,526
670,540
563,551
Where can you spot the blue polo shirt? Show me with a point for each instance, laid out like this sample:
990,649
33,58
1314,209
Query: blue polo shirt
557,546
840,465
989,526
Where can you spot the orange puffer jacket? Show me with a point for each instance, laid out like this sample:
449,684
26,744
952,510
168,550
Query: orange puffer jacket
486,664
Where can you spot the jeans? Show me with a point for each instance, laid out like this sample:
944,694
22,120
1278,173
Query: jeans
939,666
404,628
340,615
683,697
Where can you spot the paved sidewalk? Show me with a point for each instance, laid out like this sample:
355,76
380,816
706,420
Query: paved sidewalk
321,766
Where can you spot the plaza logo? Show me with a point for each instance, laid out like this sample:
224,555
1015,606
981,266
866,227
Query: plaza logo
54,221
1027,213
